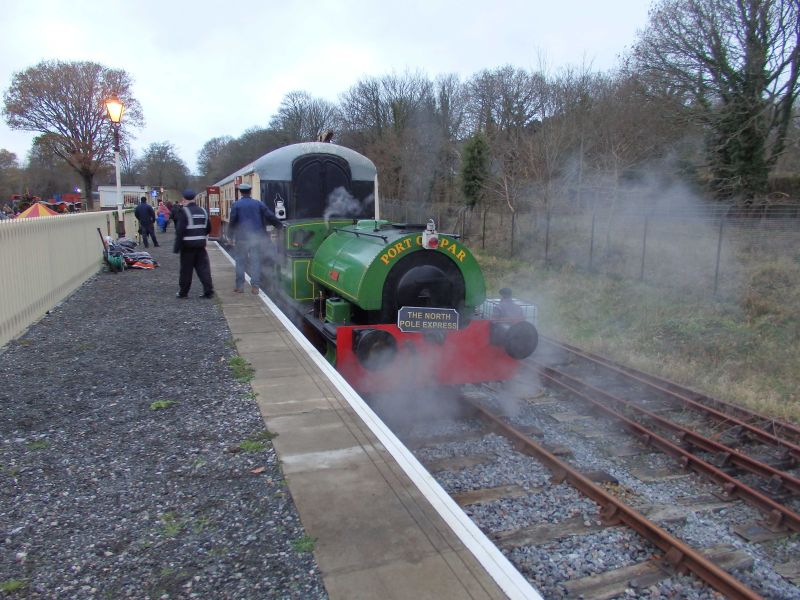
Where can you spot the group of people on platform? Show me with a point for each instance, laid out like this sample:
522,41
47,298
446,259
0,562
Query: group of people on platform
192,227
247,229
149,217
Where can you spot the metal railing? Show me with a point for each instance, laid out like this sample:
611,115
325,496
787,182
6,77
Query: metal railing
44,259
707,249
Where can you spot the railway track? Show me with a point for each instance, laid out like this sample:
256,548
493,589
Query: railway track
637,497
735,416
747,461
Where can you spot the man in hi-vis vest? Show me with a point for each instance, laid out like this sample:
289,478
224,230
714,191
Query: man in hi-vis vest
191,231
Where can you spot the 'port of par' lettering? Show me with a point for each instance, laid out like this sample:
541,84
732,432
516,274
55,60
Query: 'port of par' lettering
445,245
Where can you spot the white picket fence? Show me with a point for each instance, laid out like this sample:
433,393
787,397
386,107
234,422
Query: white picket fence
44,259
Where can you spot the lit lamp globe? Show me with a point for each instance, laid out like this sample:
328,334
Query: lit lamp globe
115,108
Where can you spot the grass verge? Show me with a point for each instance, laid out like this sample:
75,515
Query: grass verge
241,369
744,349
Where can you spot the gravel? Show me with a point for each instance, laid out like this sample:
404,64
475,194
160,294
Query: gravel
549,565
132,463
700,531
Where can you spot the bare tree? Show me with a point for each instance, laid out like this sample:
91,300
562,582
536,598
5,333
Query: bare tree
364,112
451,106
628,128
64,101
506,104
8,160
161,166
211,159
374,105
127,162
735,62
391,119
9,174
790,161
46,175
302,117
504,100
253,144
448,121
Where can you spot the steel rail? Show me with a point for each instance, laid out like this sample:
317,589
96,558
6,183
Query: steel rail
699,401
613,511
777,514
687,436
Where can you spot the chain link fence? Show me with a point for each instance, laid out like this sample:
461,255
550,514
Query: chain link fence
701,249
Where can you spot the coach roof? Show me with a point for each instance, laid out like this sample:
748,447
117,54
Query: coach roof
277,165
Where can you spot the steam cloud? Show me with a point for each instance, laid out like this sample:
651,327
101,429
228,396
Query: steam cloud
341,203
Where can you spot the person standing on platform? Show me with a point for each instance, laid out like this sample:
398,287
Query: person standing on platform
146,217
248,221
162,216
173,213
191,232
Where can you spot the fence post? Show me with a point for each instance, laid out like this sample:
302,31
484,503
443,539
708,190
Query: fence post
719,253
483,231
644,247
591,243
513,222
120,224
547,238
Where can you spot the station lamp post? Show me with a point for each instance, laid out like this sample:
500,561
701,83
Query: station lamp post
115,108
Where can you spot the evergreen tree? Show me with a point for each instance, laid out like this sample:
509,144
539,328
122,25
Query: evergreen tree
474,168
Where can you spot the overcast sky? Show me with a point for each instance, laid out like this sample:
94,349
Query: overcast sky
209,68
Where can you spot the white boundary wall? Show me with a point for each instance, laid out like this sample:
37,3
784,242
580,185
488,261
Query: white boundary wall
44,259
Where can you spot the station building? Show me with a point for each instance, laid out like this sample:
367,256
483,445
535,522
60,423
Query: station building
131,195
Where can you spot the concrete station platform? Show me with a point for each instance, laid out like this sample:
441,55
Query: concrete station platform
383,527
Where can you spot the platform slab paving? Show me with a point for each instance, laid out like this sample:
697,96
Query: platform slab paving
376,535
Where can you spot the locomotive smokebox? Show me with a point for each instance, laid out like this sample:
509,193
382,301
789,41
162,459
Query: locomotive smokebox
519,339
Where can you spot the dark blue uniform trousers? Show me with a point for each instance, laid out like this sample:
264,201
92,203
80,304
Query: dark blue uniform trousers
195,259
